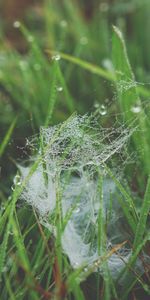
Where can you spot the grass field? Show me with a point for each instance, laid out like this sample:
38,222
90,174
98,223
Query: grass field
74,150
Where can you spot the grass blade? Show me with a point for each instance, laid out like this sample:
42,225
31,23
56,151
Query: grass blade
7,137
128,97
141,227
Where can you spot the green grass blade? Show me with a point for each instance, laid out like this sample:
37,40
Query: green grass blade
97,70
85,65
125,80
53,96
128,271
128,96
141,227
7,137
127,205
69,99
9,288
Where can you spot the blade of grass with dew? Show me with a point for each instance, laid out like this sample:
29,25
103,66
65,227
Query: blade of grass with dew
19,242
85,65
97,70
102,241
7,137
128,96
37,77
59,76
59,225
53,96
69,100
16,193
4,216
127,205
3,245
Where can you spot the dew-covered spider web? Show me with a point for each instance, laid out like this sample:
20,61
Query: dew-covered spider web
73,158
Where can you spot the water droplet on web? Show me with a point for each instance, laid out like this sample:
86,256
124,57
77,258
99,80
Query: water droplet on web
59,88
56,57
17,180
85,269
16,24
103,110
13,187
96,264
136,109
77,210
107,64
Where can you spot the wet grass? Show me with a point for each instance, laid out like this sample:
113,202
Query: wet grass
82,65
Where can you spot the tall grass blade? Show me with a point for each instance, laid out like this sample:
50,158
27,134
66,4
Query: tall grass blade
128,96
7,137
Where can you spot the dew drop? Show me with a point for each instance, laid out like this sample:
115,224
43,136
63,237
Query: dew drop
77,210
16,24
59,88
13,187
85,269
107,64
56,57
103,110
136,109
17,180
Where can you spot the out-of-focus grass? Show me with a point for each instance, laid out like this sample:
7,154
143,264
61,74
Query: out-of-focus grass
43,89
